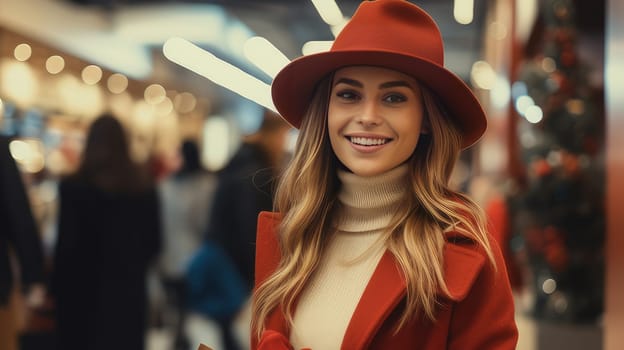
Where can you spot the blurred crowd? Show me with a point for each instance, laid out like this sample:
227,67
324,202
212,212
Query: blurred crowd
138,246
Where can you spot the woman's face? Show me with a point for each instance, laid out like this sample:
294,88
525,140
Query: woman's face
374,119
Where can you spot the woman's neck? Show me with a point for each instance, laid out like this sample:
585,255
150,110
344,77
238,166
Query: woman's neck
368,203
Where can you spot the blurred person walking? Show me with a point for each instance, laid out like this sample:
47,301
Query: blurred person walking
108,233
215,295
245,189
186,200
19,242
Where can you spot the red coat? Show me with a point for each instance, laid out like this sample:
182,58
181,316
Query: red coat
477,315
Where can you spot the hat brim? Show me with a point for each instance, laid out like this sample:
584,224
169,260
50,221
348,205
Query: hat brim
293,87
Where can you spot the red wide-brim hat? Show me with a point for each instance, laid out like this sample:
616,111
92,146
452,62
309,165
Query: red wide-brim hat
392,34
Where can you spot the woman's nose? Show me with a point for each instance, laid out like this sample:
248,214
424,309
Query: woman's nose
369,115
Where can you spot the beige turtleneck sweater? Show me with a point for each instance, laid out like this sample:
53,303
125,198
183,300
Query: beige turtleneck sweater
367,205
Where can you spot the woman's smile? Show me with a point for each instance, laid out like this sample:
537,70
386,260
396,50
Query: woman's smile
368,143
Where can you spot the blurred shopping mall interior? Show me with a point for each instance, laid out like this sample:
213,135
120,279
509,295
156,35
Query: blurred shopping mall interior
549,74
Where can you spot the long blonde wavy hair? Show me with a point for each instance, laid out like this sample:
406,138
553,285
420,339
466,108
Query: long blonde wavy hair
306,196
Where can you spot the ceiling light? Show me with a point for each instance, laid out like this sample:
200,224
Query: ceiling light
202,62
184,102
22,52
463,11
117,83
55,64
91,74
265,55
329,11
312,47
154,94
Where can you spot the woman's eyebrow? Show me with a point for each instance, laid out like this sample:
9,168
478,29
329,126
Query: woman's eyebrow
386,85
391,84
349,82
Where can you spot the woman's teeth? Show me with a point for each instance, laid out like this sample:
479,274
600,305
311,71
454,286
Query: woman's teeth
366,141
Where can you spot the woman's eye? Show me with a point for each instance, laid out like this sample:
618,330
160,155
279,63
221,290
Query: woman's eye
394,98
348,95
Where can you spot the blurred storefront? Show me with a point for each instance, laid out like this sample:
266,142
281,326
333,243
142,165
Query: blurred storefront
49,98
543,160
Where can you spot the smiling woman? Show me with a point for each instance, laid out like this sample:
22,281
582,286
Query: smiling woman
371,248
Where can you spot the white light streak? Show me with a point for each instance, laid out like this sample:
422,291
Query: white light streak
463,11
202,62
312,47
526,14
337,28
265,55
329,11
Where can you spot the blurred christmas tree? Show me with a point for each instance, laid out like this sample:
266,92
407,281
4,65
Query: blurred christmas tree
558,217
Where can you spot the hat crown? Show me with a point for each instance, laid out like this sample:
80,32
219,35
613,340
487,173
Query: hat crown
394,26
394,34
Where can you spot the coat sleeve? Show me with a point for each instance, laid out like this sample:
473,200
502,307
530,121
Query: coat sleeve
152,235
484,319
67,249
22,232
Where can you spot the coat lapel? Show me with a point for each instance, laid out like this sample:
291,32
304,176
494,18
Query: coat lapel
387,288
267,259
384,291
462,264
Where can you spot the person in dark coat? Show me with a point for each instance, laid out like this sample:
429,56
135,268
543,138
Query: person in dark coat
19,234
245,188
108,234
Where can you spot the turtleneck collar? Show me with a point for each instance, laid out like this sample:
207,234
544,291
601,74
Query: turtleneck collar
368,203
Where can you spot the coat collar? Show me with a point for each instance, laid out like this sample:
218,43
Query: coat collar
385,290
